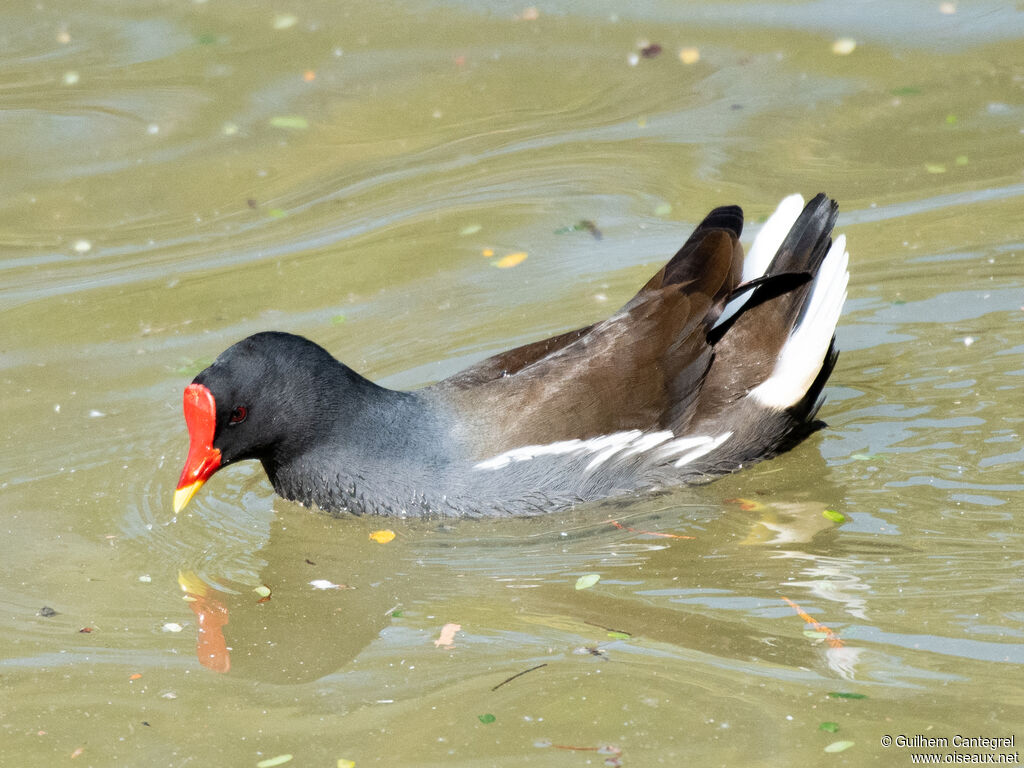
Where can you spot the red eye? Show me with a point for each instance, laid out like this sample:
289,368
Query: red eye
238,415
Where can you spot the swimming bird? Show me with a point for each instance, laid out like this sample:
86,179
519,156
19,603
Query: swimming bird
717,362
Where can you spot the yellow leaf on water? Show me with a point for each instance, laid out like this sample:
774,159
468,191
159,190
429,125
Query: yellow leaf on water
343,763
844,46
292,122
512,260
838,746
689,55
835,517
586,582
285,21
383,536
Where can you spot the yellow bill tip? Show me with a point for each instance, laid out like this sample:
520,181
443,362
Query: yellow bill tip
183,496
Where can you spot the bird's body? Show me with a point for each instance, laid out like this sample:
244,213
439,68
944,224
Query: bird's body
716,363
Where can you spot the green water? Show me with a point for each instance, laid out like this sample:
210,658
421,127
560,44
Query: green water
178,175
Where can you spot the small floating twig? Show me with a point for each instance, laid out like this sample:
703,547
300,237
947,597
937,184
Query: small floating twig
518,674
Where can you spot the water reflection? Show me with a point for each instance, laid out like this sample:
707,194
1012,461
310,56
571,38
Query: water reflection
354,237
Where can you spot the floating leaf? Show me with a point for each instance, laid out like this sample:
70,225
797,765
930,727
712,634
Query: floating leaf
486,718
828,726
619,635
277,213
291,122
663,209
846,695
689,55
961,160
832,638
583,225
935,167
343,763
835,517
447,637
264,593
815,634
396,614
487,252
135,676
325,584
951,119
285,21
382,536
270,762
470,229
511,260
839,746
338,319
844,46
586,582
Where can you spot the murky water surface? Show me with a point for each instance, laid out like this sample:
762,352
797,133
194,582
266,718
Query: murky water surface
180,174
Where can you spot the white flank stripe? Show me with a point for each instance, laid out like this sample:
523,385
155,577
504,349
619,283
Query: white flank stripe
614,442
685,444
608,445
804,351
766,244
696,453
529,452
648,441
618,444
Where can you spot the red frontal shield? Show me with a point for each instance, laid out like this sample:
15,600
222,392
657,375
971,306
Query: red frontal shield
203,459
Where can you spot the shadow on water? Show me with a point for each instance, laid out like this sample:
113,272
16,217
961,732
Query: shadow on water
335,591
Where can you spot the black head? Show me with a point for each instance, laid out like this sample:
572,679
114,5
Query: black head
270,389
270,394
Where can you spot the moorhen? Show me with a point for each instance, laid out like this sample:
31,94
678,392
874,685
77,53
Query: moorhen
716,363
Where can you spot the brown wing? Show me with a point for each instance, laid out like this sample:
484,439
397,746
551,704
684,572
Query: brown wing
690,266
640,369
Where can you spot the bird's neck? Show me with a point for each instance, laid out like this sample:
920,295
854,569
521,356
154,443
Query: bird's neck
373,443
